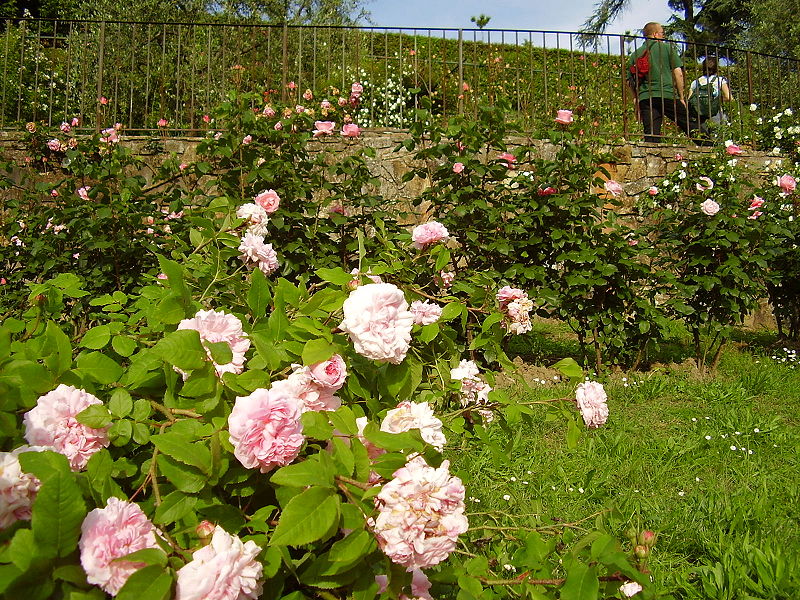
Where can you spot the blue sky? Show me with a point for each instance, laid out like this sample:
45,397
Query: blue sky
559,15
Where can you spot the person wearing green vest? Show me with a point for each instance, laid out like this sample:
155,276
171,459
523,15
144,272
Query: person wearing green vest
659,93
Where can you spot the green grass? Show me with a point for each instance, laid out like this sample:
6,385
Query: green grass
665,461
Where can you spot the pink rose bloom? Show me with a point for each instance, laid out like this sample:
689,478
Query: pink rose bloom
291,85
103,100
356,89
425,313
591,399
278,126
679,156
52,424
162,122
564,117
377,319
653,190
421,514
630,589
756,203
733,149
216,326
709,207
613,187
447,278
225,569
54,193
508,294
268,200
269,111
75,121
705,184
325,105
83,192
301,387
17,488
54,145
257,218
265,429
507,160
548,191
256,252
350,130
755,215
308,95
458,167
162,276
342,101
109,533
246,140
109,136
323,128
787,183
299,109
413,415
65,127
329,374
428,233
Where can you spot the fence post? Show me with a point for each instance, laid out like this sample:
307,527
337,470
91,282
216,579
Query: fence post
749,80
100,52
624,87
285,62
460,72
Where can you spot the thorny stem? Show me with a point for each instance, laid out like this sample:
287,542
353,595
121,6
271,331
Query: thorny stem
354,482
524,579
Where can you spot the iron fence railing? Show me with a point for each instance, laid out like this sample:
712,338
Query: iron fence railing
137,73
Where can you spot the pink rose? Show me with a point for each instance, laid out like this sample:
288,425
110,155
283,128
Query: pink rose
591,399
415,415
458,167
308,95
216,327
350,130
206,119
75,121
378,321
225,569
109,533
704,184
52,423
303,389
325,105
299,109
54,145
54,193
265,429
756,203
246,140
709,207
83,192
323,128
548,191
564,117
613,187
425,313
787,183
182,166
17,488
278,126
755,215
446,278
653,190
733,149
269,111
65,127
268,200
630,589
356,90
508,160
428,233
508,294
162,122
103,100
342,101
291,85
256,252
329,374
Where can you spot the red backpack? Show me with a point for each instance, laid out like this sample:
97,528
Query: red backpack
640,68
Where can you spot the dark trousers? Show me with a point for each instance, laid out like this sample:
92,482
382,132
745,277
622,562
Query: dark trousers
654,110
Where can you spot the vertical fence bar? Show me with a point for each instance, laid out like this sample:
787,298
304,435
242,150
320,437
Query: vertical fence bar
21,70
461,71
5,75
100,57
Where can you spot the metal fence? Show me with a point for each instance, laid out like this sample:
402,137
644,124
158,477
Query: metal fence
137,73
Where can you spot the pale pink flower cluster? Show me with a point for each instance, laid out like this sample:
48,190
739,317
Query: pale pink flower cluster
52,424
709,207
755,204
415,415
268,200
83,192
314,386
256,252
323,128
732,148
564,117
357,275
630,589
225,569
216,326
350,130
446,279
265,428
613,187
257,218
377,319
428,234
591,398
458,167
516,308
704,184
474,391
787,183
109,136
17,488
425,313
421,514
110,533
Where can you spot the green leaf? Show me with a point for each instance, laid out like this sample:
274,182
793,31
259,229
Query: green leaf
343,457
308,517
316,425
428,333
123,345
570,368
174,445
306,473
44,464
96,337
150,556
259,296
451,311
316,351
182,349
98,473
337,276
170,310
120,404
221,352
186,479
58,512
99,367
174,506
149,583
58,344
573,434
581,584
95,416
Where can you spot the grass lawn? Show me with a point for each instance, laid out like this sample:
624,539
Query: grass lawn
711,464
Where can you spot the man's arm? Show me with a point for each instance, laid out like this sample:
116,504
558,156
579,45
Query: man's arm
677,79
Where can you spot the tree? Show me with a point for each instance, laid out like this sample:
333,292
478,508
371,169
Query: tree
773,28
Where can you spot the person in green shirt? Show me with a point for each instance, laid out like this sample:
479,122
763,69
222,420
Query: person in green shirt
660,94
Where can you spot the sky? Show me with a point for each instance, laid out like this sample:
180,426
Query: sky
549,15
